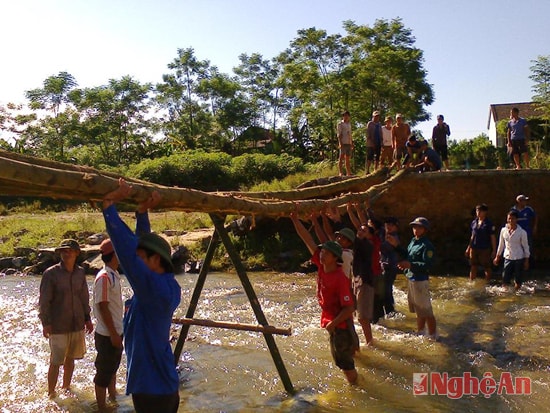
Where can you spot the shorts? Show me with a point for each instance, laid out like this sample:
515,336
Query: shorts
443,151
399,153
107,360
419,298
364,297
513,269
342,348
386,154
158,403
480,257
373,153
345,150
519,146
67,345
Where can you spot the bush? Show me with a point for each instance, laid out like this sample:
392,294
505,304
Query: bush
250,169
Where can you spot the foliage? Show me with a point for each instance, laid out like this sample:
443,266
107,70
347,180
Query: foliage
251,169
476,153
541,88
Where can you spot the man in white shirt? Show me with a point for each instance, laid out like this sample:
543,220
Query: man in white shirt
345,143
108,310
513,243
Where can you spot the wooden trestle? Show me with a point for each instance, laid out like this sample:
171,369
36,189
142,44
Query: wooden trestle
220,233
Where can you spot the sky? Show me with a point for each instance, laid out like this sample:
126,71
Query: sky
476,52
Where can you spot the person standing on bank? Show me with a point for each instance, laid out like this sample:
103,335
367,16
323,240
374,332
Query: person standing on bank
440,133
108,310
152,379
64,311
345,143
373,142
482,246
518,137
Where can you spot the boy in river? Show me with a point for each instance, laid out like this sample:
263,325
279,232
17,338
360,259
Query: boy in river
335,299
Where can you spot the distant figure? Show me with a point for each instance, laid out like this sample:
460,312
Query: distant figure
335,299
108,310
152,379
528,220
417,267
482,246
513,246
518,137
345,143
386,155
413,150
430,160
373,142
64,311
400,133
439,139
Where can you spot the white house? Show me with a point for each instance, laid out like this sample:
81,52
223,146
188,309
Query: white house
500,111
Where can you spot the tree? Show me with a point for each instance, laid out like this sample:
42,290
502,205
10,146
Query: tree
541,88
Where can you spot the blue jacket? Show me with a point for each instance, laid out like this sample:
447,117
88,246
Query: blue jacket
148,319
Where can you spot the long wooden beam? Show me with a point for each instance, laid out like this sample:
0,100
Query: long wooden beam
233,326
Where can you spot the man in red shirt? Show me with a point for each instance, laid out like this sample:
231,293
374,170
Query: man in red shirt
335,299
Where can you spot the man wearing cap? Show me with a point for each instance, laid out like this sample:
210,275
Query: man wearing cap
108,310
64,311
345,143
527,219
400,133
440,133
373,142
152,379
335,299
417,267
482,247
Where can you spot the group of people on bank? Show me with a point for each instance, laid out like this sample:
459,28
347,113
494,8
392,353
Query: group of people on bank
358,267
393,145
141,325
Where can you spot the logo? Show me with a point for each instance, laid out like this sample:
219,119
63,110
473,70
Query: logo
441,384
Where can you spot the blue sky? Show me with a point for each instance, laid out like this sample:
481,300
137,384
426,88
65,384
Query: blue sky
476,52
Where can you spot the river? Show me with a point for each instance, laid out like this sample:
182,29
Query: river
486,332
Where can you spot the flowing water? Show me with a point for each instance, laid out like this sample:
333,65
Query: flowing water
485,331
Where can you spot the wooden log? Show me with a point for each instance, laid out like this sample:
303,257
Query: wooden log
233,326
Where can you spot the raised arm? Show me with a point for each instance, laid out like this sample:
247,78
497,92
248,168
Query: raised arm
303,233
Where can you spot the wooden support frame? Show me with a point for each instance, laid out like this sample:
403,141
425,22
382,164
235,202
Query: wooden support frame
220,233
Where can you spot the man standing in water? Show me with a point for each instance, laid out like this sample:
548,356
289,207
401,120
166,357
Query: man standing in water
64,313
334,295
417,266
152,379
108,310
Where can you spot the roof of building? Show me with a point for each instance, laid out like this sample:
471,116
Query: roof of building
501,111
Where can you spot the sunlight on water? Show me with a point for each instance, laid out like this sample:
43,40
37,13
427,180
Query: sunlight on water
484,329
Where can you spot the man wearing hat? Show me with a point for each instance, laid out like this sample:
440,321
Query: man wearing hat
373,141
527,219
417,267
345,143
152,379
64,313
335,299
108,310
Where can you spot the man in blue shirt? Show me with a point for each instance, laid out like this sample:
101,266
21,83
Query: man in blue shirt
483,243
152,379
527,219
429,157
518,138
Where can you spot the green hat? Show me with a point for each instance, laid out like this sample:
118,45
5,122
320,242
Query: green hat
346,233
156,243
333,247
68,244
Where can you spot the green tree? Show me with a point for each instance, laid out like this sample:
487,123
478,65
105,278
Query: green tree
541,88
